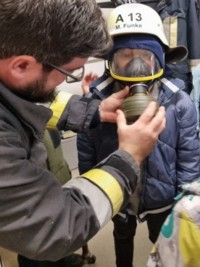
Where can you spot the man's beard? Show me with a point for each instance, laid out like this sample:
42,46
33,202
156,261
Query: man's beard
35,92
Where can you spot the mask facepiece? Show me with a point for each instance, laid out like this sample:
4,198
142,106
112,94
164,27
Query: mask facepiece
138,68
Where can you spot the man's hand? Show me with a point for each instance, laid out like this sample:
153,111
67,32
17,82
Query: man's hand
139,138
109,106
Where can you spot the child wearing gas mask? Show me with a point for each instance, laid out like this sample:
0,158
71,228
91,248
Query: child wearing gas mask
137,60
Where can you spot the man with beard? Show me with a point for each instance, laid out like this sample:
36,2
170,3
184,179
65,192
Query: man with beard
41,41
137,60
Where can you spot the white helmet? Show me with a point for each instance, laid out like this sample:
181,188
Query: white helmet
138,18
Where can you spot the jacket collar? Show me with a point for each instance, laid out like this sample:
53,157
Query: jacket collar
103,87
169,88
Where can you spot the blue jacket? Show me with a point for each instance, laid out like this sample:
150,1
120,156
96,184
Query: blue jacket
175,159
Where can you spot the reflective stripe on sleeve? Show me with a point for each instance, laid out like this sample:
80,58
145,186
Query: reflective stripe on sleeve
58,106
109,185
97,199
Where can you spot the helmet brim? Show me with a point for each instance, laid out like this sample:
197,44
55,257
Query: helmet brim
176,54
172,54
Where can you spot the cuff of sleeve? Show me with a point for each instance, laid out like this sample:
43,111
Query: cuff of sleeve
123,161
121,166
108,184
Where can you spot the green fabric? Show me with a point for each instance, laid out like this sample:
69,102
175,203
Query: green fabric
56,162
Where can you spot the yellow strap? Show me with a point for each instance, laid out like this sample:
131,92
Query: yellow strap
58,106
109,185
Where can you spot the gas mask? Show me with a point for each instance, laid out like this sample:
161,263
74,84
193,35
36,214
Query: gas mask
136,68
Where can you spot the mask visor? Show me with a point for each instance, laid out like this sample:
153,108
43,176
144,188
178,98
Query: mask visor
135,65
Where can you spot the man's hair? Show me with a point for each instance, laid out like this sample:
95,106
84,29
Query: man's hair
53,31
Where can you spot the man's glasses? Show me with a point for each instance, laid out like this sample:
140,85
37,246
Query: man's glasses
75,76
